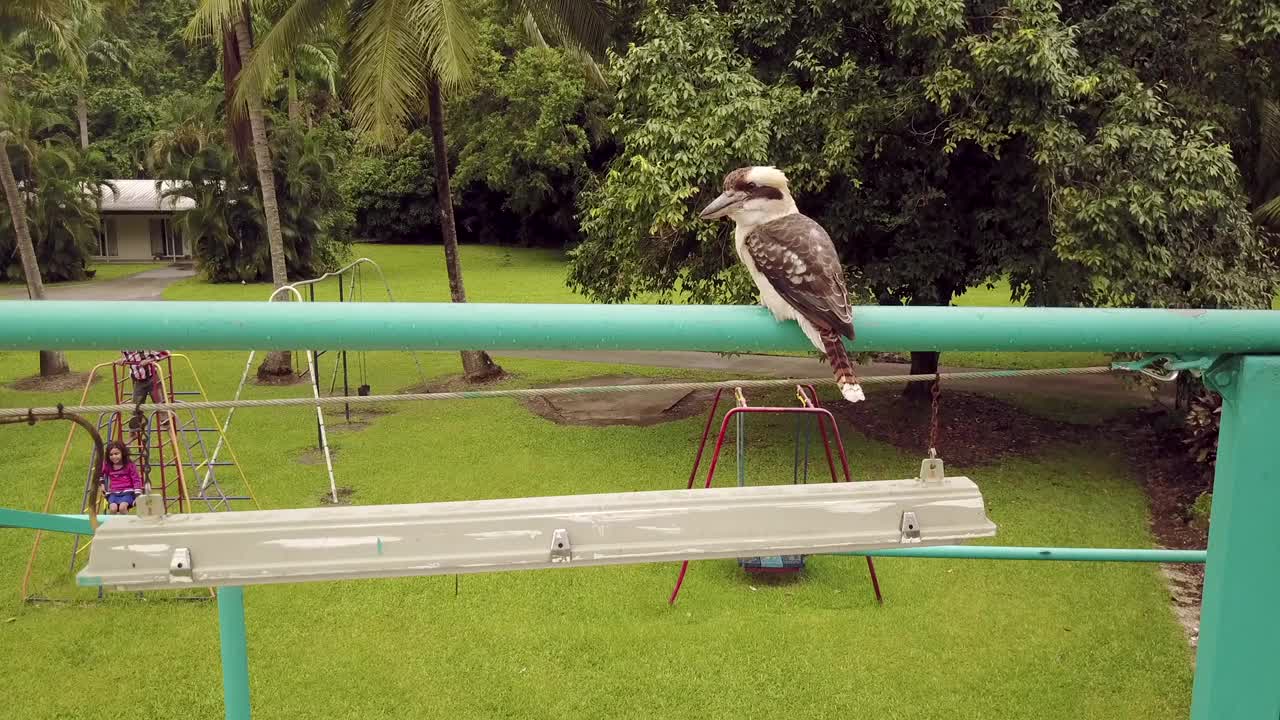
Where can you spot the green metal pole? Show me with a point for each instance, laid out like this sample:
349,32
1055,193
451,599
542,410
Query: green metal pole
235,652
74,524
92,325
990,552
1238,659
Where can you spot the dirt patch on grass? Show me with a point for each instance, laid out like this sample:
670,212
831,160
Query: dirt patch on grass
343,426
618,408
972,429
457,383
362,417
57,383
315,456
977,429
1173,483
280,380
344,497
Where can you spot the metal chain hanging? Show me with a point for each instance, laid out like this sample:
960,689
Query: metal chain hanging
933,421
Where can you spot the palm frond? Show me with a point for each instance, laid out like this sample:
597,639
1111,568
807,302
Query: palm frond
1269,213
388,66
213,16
1269,132
584,23
295,27
452,42
320,61
576,51
52,18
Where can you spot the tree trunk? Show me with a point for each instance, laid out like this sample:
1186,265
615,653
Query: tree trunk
476,364
294,111
82,114
279,362
922,363
52,362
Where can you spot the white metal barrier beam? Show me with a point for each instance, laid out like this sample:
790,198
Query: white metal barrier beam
306,545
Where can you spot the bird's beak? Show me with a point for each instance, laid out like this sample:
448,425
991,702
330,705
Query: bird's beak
722,205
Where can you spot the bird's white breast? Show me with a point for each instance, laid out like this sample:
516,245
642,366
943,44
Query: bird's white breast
768,296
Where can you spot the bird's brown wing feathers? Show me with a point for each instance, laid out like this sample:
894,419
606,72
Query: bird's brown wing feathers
797,257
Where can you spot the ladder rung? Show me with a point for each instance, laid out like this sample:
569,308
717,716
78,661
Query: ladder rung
220,498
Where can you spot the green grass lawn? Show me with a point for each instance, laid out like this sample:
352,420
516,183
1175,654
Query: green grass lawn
955,640
104,271
962,639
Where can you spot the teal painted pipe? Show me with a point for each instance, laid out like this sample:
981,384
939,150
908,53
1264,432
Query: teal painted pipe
95,325
73,524
989,552
235,652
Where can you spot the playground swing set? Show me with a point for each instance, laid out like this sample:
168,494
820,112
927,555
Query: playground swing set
169,446
173,446
923,516
350,284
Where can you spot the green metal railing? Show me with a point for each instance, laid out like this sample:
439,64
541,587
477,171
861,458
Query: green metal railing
85,325
1235,351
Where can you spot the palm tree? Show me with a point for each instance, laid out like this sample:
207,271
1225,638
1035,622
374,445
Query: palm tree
99,49
401,51
1267,166
232,19
52,19
314,63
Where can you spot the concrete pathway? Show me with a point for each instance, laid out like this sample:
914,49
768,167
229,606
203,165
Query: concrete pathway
144,286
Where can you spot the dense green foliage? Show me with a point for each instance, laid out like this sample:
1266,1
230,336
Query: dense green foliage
524,136
1088,151
943,146
227,225
58,189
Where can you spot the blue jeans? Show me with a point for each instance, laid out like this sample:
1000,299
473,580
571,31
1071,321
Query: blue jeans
121,498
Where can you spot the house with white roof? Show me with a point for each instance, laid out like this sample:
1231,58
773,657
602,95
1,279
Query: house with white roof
137,222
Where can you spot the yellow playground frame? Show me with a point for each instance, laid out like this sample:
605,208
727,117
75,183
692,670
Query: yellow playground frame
184,498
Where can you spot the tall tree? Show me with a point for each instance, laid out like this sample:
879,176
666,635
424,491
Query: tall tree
943,145
403,52
232,19
100,48
53,19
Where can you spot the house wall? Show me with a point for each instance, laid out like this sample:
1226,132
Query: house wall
132,237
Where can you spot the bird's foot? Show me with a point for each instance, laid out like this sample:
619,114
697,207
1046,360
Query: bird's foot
852,393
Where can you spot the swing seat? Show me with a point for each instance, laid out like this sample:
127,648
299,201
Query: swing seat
773,565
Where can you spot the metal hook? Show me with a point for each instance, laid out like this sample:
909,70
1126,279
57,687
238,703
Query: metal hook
804,399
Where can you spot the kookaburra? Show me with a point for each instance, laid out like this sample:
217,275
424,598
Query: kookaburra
793,263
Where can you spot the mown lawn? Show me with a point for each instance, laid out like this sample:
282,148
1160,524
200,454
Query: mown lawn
956,639
102,271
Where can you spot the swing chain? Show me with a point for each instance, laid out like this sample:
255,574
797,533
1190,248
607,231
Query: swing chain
933,421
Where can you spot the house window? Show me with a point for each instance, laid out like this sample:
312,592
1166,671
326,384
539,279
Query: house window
108,238
165,240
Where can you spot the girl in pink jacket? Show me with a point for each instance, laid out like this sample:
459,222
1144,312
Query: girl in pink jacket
121,482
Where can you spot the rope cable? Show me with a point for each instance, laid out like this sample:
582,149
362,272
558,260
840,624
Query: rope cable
560,391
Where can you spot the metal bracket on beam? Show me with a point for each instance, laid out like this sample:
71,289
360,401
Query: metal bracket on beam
561,550
180,569
910,528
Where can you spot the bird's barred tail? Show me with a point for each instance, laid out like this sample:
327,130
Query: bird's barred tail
846,380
